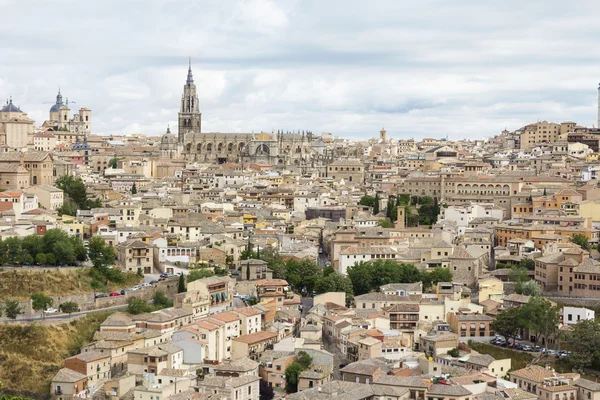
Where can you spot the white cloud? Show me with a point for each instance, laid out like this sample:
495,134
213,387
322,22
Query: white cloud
438,67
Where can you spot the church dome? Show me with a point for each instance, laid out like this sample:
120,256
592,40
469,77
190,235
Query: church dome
10,107
59,103
168,138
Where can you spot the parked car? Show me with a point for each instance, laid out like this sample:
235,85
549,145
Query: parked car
162,278
101,296
125,291
114,294
164,275
154,282
527,348
51,311
518,337
136,287
145,285
519,346
551,352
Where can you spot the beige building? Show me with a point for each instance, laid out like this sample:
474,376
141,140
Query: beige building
14,177
350,170
545,383
253,345
44,141
540,132
135,254
50,197
16,128
39,164
436,343
68,384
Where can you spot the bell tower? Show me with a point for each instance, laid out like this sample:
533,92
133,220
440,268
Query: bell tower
189,112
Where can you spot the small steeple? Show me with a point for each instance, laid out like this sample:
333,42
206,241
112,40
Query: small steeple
59,97
190,78
168,129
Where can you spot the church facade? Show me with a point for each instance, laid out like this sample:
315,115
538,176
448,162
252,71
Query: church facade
276,148
67,128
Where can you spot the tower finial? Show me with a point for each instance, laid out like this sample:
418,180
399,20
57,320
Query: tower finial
190,78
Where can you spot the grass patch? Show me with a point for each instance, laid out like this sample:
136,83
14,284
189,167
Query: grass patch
30,355
519,359
21,285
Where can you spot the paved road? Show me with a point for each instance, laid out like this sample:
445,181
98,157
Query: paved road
61,316
307,304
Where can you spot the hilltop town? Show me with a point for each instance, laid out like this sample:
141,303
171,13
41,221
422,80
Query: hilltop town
247,266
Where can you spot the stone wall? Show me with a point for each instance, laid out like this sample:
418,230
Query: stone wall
86,301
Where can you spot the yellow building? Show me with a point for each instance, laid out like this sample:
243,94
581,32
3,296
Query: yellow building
250,219
592,157
490,289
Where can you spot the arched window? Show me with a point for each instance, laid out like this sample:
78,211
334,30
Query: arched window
35,180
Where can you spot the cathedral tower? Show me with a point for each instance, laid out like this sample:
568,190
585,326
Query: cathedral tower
189,113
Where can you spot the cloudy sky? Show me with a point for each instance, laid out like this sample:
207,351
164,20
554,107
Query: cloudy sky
466,69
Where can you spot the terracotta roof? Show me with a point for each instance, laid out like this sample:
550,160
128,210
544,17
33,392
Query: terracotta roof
66,375
256,337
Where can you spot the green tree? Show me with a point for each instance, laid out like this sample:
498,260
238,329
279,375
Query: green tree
518,275
385,223
304,359
41,302
12,308
69,307
248,271
68,208
581,240
65,252
199,273
368,201
376,204
140,273
292,373
50,259
541,317
181,285
133,189
527,264
528,288
302,275
112,163
41,259
33,244
508,322
334,282
584,342
81,253
100,253
439,274
137,306
160,300
453,352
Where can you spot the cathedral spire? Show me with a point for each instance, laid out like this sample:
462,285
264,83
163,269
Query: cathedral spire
190,78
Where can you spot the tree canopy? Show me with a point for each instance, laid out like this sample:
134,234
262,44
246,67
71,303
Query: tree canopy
76,195
581,240
369,276
199,273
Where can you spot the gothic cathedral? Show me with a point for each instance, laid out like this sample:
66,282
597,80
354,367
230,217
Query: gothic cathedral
190,117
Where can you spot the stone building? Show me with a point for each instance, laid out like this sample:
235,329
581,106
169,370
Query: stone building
39,164
68,129
273,148
16,128
350,170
